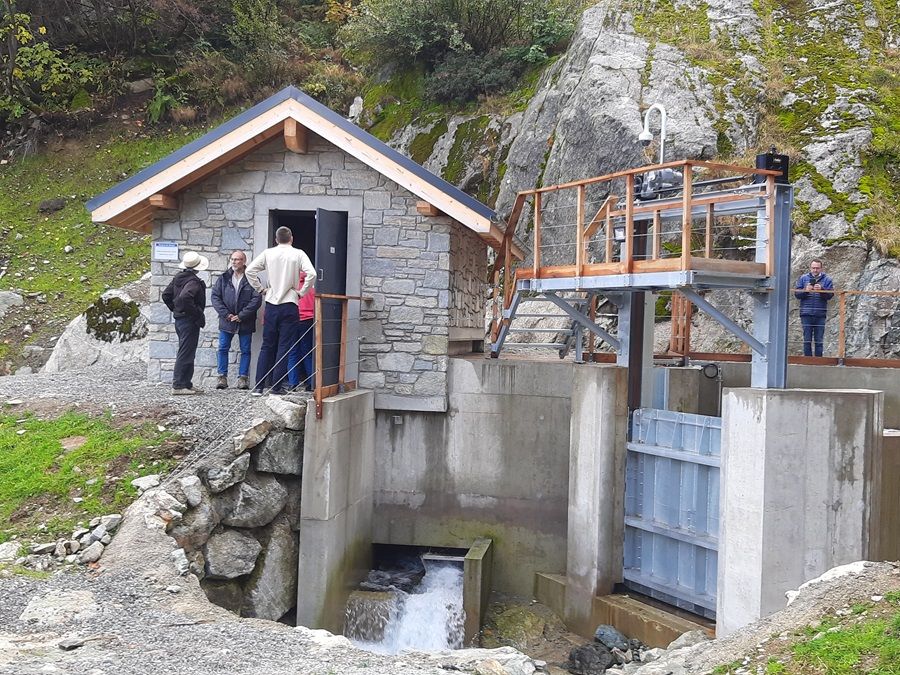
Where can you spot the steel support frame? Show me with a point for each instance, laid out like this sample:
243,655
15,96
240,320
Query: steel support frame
770,309
582,321
727,322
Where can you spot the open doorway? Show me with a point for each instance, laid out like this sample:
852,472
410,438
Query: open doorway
322,235
302,225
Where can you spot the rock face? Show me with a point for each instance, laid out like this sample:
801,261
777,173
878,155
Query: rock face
230,554
725,98
112,331
9,300
256,502
272,589
281,452
238,532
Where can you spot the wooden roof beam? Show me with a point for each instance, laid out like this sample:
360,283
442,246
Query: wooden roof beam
296,137
163,201
426,209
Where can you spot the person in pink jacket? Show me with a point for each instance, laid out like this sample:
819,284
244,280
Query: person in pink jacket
300,358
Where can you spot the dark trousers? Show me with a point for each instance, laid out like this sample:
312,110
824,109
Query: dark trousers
280,331
813,331
188,335
302,355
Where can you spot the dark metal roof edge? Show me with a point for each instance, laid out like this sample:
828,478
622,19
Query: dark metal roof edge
319,109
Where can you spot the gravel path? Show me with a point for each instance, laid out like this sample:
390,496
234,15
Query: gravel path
126,392
134,626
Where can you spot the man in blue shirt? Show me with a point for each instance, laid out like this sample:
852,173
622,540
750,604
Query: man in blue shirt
812,290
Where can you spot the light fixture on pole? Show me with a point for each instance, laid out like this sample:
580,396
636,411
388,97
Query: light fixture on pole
646,136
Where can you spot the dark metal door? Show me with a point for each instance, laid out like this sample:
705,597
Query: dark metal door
331,267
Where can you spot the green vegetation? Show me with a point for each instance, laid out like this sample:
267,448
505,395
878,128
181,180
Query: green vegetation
32,244
40,477
817,68
861,640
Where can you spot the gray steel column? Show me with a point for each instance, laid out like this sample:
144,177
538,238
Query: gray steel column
770,309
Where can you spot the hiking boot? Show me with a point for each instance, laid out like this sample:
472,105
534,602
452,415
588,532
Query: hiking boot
222,382
242,382
256,392
186,392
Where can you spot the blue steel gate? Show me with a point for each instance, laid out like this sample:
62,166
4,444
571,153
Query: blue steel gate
672,508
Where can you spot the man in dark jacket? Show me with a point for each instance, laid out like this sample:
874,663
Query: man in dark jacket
812,290
185,296
236,303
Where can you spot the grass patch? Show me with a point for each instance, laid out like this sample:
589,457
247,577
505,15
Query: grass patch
39,478
32,244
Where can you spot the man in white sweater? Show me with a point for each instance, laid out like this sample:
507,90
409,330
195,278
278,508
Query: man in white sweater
281,320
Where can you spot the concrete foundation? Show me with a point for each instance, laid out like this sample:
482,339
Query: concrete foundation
652,626
799,471
831,377
476,587
887,507
336,508
596,490
495,465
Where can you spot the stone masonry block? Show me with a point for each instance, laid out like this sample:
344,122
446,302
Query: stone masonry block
386,236
238,210
295,163
354,180
282,183
413,315
397,362
246,182
377,199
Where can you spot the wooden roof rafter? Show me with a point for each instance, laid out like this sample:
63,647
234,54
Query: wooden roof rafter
295,116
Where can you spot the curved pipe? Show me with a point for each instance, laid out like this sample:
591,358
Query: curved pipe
662,128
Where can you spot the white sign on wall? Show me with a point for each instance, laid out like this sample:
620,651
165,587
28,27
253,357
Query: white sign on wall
163,251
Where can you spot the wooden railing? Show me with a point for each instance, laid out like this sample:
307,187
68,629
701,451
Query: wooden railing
642,246
835,343
322,391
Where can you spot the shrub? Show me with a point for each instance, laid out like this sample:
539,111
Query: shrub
465,76
41,78
395,31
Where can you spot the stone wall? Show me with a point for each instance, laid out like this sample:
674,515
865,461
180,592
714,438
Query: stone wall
405,264
468,274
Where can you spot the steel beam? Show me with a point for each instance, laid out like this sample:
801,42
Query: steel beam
723,319
582,320
770,310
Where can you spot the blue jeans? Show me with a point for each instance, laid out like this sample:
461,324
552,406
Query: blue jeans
302,355
246,339
280,325
813,331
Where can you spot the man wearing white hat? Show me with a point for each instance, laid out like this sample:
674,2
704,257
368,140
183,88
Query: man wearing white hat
185,296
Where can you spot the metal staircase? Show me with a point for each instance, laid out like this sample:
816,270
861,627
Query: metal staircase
576,306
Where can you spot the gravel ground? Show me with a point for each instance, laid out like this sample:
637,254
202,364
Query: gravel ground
203,420
133,626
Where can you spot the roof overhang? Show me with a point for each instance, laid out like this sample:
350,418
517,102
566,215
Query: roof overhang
132,203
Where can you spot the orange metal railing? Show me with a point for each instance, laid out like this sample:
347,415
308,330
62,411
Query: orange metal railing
322,391
668,237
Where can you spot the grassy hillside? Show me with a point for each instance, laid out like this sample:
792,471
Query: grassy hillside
33,262
64,470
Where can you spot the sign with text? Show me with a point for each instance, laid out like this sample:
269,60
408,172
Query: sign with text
164,251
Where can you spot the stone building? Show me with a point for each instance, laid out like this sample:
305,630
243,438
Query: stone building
374,222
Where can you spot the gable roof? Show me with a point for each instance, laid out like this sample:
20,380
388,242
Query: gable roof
129,204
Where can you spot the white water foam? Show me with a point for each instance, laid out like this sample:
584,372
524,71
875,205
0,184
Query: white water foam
431,618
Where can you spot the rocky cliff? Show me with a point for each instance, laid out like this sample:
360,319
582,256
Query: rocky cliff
817,78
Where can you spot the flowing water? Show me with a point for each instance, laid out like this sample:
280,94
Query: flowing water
430,618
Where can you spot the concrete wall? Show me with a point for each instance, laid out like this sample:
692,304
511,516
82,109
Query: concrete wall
495,465
596,490
887,507
336,508
799,475
397,256
831,377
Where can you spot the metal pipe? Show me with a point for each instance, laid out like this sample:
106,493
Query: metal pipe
662,128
